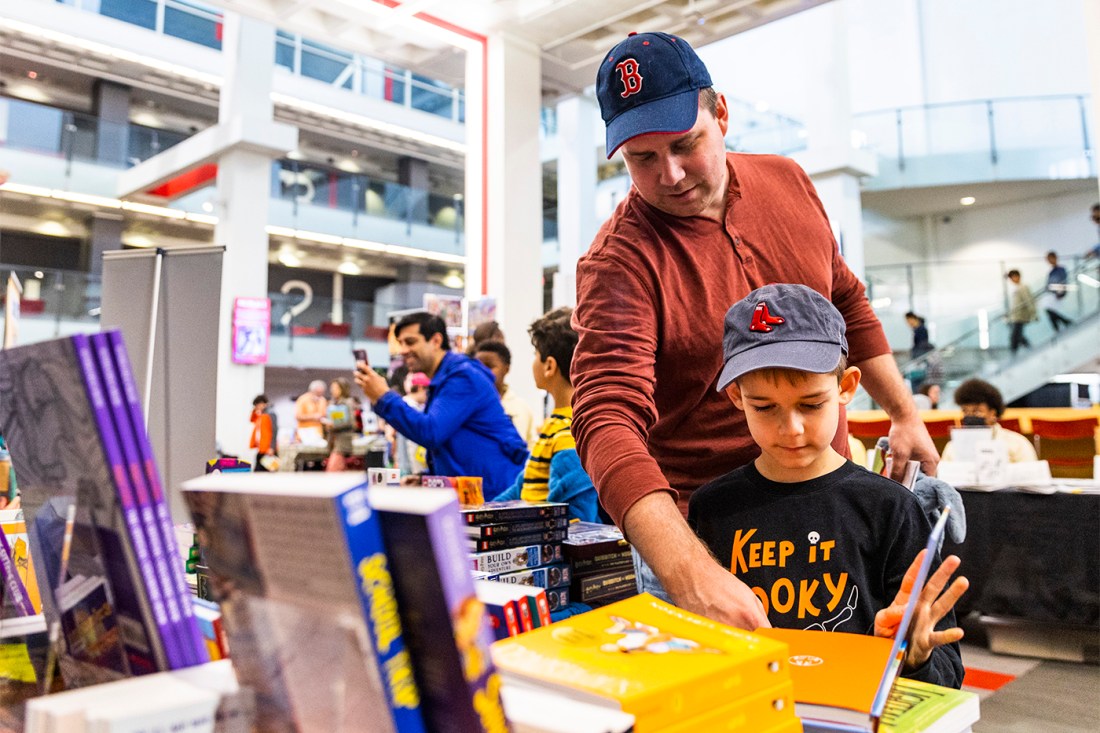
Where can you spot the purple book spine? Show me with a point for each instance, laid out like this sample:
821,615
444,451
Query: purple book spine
109,439
11,580
156,493
161,557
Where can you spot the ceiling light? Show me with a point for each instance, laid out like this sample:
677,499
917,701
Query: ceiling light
967,200
295,155
32,74
454,280
39,274
347,267
207,207
290,259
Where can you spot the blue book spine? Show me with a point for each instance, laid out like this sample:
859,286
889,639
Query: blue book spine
109,440
160,556
163,519
370,568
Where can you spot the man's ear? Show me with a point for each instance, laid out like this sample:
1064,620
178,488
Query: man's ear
722,114
733,391
436,340
849,381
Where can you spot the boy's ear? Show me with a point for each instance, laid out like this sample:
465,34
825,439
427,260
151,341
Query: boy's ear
550,367
733,391
849,381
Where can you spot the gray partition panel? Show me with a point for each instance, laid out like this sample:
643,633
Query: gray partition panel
183,398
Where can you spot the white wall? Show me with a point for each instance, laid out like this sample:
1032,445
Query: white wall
912,52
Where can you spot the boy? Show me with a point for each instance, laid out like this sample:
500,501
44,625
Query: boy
553,471
498,359
823,543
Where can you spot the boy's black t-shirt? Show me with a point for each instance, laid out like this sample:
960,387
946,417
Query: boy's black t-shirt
824,554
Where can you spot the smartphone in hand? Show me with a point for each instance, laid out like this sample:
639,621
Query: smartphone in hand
361,356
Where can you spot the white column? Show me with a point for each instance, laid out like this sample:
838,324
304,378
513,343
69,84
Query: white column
1092,37
242,203
577,225
474,195
337,314
830,160
514,218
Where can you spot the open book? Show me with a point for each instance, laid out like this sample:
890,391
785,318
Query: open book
843,681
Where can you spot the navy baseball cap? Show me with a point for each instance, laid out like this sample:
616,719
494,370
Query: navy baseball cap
785,326
649,83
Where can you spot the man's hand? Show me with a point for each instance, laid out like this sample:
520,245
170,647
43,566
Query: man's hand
691,576
909,441
929,611
370,381
909,438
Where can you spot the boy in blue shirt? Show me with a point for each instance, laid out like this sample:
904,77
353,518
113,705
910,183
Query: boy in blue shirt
553,471
823,543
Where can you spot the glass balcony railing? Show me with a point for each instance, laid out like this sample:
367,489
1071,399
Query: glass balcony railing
984,349
755,130
981,140
305,57
953,297
77,136
330,200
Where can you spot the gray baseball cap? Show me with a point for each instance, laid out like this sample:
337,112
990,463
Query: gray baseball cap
782,325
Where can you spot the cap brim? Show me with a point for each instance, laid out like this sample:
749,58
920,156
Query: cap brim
805,356
676,113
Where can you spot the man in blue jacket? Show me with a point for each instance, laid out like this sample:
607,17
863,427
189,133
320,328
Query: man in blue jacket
464,427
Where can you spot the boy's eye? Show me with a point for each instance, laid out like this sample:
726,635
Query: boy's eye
762,408
814,406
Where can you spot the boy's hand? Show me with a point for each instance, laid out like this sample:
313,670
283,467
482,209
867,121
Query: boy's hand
930,609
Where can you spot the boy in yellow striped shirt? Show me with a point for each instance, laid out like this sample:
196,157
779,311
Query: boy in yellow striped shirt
553,471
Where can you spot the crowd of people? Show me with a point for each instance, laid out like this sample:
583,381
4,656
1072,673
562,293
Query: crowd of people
698,387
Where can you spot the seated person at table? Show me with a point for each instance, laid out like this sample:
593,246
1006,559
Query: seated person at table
982,406
823,543
553,471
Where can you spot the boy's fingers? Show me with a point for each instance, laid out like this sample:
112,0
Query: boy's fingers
950,597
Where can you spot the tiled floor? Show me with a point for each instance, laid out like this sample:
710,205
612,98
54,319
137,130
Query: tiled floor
1023,695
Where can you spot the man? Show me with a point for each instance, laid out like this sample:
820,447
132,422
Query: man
1020,313
699,230
463,426
498,358
1057,286
309,409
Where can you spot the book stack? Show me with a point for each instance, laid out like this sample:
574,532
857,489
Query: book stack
467,488
513,608
603,567
345,603
97,520
670,669
520,542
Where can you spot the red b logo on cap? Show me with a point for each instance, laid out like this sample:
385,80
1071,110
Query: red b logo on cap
762,320
632,80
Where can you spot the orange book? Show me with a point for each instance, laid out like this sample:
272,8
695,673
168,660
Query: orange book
768,711
836,675
13,526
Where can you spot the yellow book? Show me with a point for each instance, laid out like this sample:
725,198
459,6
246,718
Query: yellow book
646,657
15,528
768,711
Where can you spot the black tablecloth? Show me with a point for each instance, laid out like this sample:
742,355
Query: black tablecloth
1031,556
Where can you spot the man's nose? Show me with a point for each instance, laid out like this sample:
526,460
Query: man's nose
672,172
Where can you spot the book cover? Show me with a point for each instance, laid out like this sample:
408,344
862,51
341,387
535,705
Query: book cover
645,657
492,512
58,453
550,576
14,528
515,527
920,707
587,540
160,518
111,433
306,553
601,585
836,674
557,598
89,625
767,711
617,560
449,633
11,582
467,488
500,603
516,558
515,540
